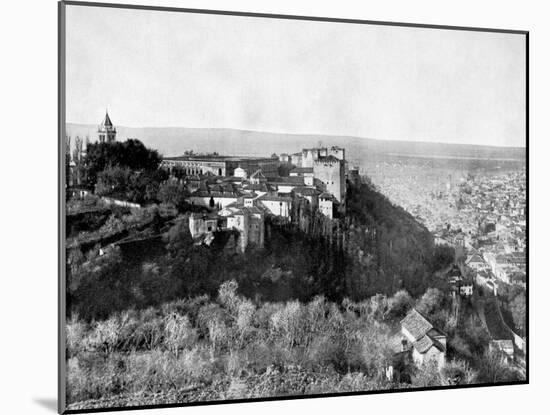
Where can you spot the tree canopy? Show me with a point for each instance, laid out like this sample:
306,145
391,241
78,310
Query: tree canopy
135,186
131,154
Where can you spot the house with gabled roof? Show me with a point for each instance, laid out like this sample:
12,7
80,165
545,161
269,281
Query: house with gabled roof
257,177
428,343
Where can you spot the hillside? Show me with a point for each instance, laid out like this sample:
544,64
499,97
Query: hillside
385,250
173,141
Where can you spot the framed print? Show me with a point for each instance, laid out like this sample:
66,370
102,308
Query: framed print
259,207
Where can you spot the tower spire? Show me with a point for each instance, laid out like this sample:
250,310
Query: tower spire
106,131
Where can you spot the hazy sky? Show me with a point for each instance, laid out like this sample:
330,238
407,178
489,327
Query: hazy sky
161,69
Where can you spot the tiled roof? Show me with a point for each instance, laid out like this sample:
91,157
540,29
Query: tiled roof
423,344
262,187
234,179
435,333
416,324
474,259
306,191
290,180
423,332
257,174
268,197
216,191
302,170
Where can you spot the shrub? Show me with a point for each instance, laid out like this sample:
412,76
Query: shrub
148,333
399,305
376,349
76,331
206,314
228,297
431,301
238,389
287,323
427,375
457,372
178,333
105,335
245,316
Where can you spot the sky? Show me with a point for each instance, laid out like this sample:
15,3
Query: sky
173,69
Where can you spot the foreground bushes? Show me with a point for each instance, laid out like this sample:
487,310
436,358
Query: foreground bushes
196,342
199,349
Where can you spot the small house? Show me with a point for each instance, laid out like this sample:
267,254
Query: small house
428,343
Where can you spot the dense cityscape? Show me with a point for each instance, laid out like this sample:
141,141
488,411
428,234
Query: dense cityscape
483,213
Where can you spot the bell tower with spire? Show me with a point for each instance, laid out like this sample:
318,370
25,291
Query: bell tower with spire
106,131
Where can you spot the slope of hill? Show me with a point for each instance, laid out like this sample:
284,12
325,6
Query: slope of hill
173,141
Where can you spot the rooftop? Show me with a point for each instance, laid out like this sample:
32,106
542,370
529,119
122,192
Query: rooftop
290,180
302,170
268,197
416,324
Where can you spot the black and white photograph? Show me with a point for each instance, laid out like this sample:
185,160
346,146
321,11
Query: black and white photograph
258,207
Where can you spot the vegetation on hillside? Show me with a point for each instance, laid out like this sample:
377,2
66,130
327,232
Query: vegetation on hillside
386,251
233,347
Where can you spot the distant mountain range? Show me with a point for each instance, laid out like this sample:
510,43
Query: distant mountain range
174,141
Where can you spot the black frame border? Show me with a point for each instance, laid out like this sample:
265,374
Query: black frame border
61,399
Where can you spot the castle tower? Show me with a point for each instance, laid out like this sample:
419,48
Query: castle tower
310,155
330,171
338,152
106,131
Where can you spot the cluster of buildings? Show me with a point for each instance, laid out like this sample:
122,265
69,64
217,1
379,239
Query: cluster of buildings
214,164
490,269
239,192
461,283
490,210
482,216
494,245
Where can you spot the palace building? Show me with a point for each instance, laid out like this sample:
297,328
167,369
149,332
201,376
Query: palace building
221,165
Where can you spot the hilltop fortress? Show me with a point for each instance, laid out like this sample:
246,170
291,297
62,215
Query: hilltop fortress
240,192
